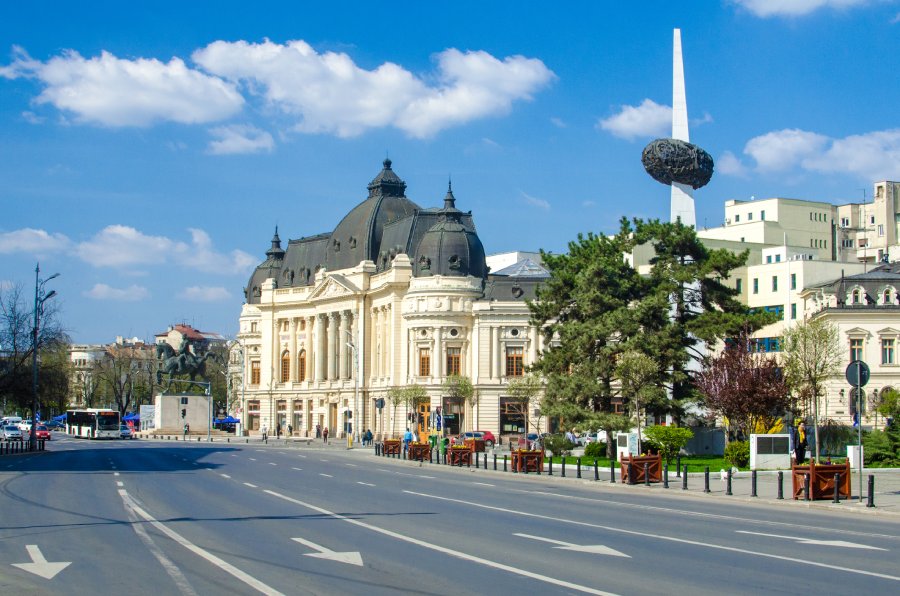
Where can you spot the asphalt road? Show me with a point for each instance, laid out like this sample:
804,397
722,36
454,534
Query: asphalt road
173,518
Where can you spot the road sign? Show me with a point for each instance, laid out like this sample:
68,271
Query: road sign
858,373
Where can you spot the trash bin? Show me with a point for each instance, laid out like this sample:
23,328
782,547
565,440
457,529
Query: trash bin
444,443
432,441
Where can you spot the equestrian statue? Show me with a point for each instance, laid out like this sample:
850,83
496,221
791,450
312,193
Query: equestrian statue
181,362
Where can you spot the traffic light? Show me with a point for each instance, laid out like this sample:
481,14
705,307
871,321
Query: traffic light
183,412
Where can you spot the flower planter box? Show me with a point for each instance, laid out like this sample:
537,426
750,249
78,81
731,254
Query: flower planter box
392,446
821,480
523,460
459,457
654,470
476,445
418,451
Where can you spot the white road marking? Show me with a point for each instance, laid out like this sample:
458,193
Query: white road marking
483,483
597,549
271,463
250,485
658,536
813,541
323,460
252,459
224,475
351,465
298,469
326,475
115,473
223,565
303,456
350,557
120,483
233,455
364,483
447,551
39,565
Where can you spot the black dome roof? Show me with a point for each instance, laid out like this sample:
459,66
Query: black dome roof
449,247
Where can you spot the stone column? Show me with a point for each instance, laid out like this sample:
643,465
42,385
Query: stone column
389,340
292,346
320,347
436,365
354,333
342,345
496,355
331,345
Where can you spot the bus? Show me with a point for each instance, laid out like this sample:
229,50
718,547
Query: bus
93,423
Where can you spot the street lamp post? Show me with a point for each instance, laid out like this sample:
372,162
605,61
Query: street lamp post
355,424
39,299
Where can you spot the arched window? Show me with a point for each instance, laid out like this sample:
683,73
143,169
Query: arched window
854,296
861,401
285,366
301,366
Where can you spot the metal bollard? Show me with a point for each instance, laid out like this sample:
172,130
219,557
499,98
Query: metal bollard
666,476
806,487
753,483
596,471
504,463
469,461
780,485
578,468
431,455
706,480
871,500
476,459
678,465
563,473
538,464
728,484
646,474
837,489
495,462
612,471
550,469
684,478
630,473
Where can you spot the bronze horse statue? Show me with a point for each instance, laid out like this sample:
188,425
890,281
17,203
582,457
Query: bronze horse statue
182,362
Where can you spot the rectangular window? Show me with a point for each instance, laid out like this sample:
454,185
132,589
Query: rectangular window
881,229
514,364
887,351
793,281
762,215
774,283
184,401
777,258
756,285
424,362
856,349
739,285
737,219
845,222
872,220
750,216
453,361
254,372
793,310
768,259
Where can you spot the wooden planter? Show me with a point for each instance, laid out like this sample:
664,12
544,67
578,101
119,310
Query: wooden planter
391,447
418,451
523,460
459,457
476,445
654,470
821,480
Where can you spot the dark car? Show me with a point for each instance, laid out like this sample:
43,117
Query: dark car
55,425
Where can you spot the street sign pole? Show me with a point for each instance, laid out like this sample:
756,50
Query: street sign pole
857,374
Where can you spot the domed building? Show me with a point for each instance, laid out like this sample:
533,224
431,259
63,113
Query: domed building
396,295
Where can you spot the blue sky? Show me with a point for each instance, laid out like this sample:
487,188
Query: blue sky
148,150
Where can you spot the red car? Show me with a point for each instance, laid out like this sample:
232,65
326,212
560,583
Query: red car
488,436
42,433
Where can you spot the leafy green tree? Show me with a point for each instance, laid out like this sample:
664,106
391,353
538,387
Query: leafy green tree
668,439
687,305
812,354
524,390
889,404
458,390
638,375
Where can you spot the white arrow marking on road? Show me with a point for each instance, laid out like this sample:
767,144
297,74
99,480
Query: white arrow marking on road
842,543
351,558
597,549
39,565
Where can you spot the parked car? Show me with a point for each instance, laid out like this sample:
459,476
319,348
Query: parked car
584,439
125,431
489,439
11,433
42,433
25,426
55,425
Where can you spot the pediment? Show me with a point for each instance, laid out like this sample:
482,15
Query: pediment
857,332
333,286
888,331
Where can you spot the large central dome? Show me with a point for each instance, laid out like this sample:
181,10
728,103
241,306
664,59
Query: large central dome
358,236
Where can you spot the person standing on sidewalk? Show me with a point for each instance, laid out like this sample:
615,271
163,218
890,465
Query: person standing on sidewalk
265,432
325,435
800,444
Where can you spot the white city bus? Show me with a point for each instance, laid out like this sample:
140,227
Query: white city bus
93,423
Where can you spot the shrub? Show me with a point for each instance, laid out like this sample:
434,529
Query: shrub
668,440
558,445
738,453
882,448
595,450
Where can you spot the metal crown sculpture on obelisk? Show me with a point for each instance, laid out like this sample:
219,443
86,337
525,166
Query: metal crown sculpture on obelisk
675,161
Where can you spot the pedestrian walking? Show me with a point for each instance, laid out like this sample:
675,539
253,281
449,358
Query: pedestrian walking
187,429
318,431
265,432
800,444
407,439
290,430
325,435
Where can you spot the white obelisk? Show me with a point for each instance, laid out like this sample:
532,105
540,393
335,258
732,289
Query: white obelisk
682,195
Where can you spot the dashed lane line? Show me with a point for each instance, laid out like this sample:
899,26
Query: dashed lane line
250,485
326,475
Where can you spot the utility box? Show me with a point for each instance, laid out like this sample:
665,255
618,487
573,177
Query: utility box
770,452
853,452
626,444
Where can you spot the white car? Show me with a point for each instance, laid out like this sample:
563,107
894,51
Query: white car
11,433
125,431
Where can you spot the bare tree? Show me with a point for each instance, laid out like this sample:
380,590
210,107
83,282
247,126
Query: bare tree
458,390
812,354
524,390
121,369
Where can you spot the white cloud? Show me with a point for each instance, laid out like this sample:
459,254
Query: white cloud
793,8
124,246
558,122
896,19
119,92
588,203
646,120
132,293
871,156
32,118
239,138
29,240
205,294
536,202
730,165
329,93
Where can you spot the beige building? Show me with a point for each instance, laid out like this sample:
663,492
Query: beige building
396,295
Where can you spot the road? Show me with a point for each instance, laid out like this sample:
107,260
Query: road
176,518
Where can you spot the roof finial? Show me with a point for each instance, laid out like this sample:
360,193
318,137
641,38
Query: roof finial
449,199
